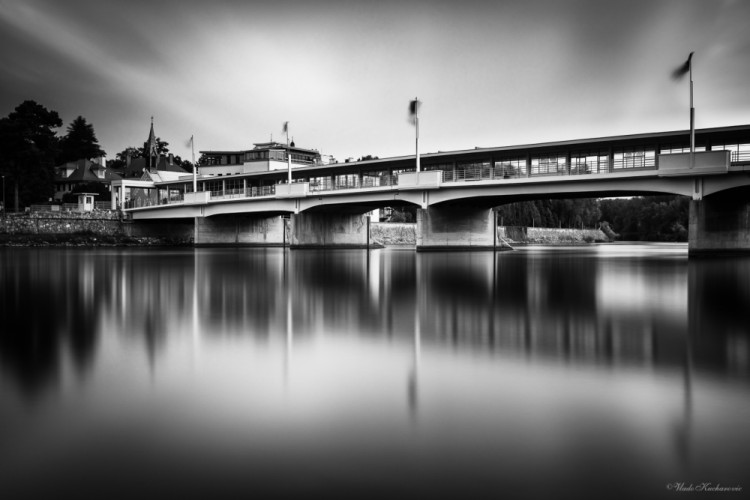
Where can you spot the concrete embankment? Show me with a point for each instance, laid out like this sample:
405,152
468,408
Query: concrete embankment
551,236
97,228
389,233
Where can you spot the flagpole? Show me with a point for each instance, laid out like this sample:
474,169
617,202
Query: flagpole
692,118
416,122
195,167
288,155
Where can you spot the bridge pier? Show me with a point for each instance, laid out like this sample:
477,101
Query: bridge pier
720,223
329,230
455,227
240,229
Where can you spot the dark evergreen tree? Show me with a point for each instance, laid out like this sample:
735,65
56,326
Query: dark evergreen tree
80,142
121,159
29,148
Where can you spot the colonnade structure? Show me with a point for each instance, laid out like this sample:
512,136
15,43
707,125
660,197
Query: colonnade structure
243,197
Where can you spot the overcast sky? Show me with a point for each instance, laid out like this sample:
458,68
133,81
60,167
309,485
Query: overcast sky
343,72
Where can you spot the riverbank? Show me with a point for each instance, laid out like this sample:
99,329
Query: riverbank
404,234
107,228
100,228
84,240
520,235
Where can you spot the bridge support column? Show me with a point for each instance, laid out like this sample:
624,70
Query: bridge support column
455,228
720,223
329,230
241,230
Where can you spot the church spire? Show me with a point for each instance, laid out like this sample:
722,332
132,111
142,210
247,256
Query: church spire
151,148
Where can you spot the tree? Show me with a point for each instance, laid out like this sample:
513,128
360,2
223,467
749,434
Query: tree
80,142
654,218
29,147
121,158
161,148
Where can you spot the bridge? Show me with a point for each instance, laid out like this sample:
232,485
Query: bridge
455,191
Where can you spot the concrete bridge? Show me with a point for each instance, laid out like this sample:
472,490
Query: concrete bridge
455,192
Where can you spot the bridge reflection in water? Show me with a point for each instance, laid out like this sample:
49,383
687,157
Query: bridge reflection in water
390,369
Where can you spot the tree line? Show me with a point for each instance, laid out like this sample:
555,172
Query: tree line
650,218
30,149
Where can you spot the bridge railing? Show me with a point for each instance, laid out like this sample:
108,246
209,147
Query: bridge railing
253,192
141,202
352,182
174,198
740,156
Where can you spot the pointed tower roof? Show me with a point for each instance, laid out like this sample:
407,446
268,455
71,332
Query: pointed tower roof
152,147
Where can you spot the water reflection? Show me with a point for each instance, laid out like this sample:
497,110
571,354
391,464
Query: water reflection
567,357
572,306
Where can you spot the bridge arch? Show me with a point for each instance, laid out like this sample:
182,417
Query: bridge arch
501,194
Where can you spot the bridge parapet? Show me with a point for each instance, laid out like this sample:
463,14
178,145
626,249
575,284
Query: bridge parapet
700,163
420,180
293,190
197,198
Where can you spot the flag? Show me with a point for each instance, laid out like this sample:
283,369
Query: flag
413,110
189,142
684,68
285,129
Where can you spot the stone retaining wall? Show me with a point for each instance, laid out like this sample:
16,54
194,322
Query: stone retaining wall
97,222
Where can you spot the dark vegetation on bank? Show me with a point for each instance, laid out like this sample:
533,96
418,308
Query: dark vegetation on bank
652,218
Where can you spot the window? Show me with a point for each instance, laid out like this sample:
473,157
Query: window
234,186
277,155
634,158
346,181
215,187
738,152
509,168
376,178
589,162
473,171
673,148
553,164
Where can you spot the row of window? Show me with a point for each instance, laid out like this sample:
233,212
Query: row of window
587,161
275,155
594,161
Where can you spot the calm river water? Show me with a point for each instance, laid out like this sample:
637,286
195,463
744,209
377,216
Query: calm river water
588,372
